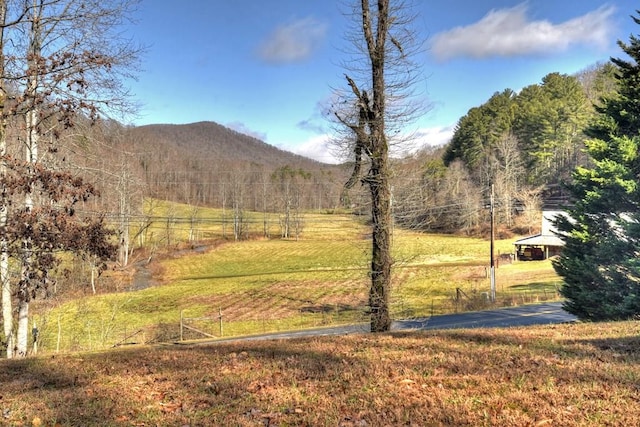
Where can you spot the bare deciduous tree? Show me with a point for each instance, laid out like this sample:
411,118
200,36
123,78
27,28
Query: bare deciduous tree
289,184
506,173
7,307
66,63
378,105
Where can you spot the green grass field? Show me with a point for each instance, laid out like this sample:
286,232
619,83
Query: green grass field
265,285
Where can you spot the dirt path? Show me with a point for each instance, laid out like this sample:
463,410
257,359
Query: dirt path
143,277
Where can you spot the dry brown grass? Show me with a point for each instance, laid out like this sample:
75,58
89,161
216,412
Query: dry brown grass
563,375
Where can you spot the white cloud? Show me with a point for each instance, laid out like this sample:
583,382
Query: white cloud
244,129
509,32
318,148
321,147
434,136
425,137
293,42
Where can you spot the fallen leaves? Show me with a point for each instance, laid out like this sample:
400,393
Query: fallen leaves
436,378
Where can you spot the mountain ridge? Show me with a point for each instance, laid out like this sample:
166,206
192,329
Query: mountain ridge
208,138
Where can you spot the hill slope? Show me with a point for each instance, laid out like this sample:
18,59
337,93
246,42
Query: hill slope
212,140
208,164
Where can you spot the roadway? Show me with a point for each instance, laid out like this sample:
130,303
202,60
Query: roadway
533,314
526,315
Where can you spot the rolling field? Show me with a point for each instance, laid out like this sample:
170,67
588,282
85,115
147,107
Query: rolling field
228,288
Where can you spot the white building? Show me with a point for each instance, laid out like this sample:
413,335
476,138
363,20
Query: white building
543,245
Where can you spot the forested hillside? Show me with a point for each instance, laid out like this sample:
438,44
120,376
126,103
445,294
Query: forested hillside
212,140
200,162
525,144
203,164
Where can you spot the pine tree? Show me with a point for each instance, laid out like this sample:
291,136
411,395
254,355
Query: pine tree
600,264
620,113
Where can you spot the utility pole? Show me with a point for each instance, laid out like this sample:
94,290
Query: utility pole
492,271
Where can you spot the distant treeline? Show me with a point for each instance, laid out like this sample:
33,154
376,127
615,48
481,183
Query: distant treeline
523,144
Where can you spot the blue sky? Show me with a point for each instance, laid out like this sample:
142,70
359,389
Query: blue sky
265,67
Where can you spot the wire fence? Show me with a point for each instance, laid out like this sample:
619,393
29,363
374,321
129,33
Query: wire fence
277,285
107,332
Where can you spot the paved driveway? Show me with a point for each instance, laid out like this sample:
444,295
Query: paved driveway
534,314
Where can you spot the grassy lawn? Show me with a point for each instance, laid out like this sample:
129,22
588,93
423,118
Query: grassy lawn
265,285
559,375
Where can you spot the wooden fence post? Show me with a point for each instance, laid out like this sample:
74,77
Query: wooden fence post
181,323
59,335
220,317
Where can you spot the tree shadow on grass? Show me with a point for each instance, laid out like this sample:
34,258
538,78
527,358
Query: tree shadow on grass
615,360
249,383
627,346
568,347
48,392
331,308
535,287
170,385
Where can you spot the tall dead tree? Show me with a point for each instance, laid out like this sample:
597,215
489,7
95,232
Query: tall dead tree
384,40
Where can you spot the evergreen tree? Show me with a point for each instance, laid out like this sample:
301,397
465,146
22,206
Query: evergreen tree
480,129
549,124
621,111
600,264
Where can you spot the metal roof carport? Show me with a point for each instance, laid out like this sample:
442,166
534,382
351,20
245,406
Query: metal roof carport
549,244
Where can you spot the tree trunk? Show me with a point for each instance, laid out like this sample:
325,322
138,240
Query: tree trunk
31,124
381,246
125,211
224,203
93,274
379,175
7,306
265,217
22,341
